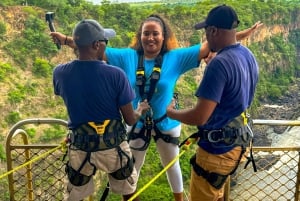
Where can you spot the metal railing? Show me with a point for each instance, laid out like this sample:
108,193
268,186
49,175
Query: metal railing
277,177
42,180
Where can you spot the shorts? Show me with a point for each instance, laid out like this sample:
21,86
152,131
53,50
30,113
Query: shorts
107,161
200,189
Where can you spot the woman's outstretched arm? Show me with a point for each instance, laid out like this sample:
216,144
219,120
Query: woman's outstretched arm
205,50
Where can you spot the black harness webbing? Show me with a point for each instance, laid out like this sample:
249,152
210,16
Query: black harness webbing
164,137
251,159
105,193
75,177
92,137
148,122
145,133
154,77
242,136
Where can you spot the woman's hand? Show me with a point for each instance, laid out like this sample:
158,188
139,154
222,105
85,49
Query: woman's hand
247,32
256,25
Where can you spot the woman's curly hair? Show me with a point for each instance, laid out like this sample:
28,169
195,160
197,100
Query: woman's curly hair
170,41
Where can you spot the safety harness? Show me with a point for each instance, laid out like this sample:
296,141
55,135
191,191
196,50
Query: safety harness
237,133
98,136
148,122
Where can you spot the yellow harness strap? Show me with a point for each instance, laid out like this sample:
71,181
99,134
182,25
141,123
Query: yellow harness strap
99,127
156,69
245,117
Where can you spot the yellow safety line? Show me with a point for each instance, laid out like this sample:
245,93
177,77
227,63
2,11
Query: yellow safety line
188,143
33,160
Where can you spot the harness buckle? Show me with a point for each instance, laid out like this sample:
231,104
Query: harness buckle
214,136
156,73
148,122
140,80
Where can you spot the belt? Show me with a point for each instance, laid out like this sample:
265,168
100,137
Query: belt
95,142
87,138
228,135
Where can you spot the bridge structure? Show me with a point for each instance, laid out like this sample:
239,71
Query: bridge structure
35,171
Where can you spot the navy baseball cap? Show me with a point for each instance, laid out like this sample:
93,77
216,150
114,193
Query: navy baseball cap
88,31
223,17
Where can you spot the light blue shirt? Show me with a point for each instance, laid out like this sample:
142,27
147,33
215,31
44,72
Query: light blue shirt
175,63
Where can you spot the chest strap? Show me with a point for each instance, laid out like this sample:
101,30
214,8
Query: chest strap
154,77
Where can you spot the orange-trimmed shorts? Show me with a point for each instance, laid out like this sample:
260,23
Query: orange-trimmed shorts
200,189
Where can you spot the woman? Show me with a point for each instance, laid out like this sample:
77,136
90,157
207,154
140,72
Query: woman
155,47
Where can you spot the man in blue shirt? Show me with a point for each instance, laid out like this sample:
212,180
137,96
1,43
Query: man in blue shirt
226,91
98,97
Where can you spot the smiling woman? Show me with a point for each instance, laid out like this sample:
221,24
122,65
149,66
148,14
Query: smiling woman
153,49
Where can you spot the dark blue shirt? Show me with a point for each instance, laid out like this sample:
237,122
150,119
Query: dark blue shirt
230,80
92,91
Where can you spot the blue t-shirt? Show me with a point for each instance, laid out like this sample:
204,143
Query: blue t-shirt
175,63
230,80
92,91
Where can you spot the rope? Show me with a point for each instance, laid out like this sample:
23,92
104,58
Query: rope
62,146
185,148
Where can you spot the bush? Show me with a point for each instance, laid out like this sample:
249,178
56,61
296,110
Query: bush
2,153
41,68
2,30
5,69
16,96
12,118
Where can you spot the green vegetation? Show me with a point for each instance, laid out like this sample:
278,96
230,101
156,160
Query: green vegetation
53,133
5,70
28,46
41,68
2,30
28,56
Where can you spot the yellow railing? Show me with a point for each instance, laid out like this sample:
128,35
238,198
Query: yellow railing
36,172
277,176
34,180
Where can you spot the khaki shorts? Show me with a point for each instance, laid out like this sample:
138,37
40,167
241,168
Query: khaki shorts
107,161
223,164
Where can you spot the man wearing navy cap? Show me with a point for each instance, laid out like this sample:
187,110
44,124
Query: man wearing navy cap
224,94
98,97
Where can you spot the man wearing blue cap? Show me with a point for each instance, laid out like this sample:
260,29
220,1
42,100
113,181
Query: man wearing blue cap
98,97
224,94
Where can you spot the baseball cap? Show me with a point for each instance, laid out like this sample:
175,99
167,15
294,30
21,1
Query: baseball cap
88,31
222,16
